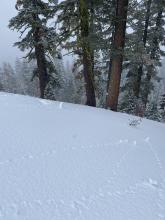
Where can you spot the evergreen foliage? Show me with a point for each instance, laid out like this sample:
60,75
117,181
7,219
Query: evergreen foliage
36,36
144,49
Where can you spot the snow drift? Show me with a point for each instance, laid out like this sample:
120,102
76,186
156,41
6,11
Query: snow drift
61,161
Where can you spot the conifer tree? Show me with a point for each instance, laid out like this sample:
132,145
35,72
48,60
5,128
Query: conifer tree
162,102
87,55
136,52
78,33
117,57
156,40
137,85
152,111
8,78
36,37
27,84
143,51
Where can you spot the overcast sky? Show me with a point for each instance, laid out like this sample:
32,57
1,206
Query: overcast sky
8,53
7,37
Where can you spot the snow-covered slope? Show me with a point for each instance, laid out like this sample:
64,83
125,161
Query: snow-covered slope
61,161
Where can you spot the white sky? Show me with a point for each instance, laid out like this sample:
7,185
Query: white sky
8,53
7,37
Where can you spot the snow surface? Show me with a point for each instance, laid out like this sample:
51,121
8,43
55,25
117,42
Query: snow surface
62,161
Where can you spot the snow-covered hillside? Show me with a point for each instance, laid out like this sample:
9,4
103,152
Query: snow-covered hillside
61,161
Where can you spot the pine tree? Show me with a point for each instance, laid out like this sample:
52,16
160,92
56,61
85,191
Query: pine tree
56,80
142,43
155,52
1,78
80,33
137,85
152,111
117,57
39,39
8,78
162,102
87,55
162,108
27,83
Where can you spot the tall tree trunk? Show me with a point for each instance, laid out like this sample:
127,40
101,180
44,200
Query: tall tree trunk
40,56
117,58
87,54
91,29
155,44
41,64
110,62
145,35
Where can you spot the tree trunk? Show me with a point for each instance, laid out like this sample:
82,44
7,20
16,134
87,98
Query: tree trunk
42,70
40,55
87,54
110,62
117,58
145,35
91,30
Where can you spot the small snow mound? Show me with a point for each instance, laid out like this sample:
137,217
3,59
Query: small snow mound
147,139
135,143
61,105
151,183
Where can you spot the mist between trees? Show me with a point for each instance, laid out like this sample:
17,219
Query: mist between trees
118,49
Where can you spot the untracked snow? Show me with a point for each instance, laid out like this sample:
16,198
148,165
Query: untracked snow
62,161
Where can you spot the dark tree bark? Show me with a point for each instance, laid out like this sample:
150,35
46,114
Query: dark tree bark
87,54
117,58
40,55
110,62
145,35
91,29
41,63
